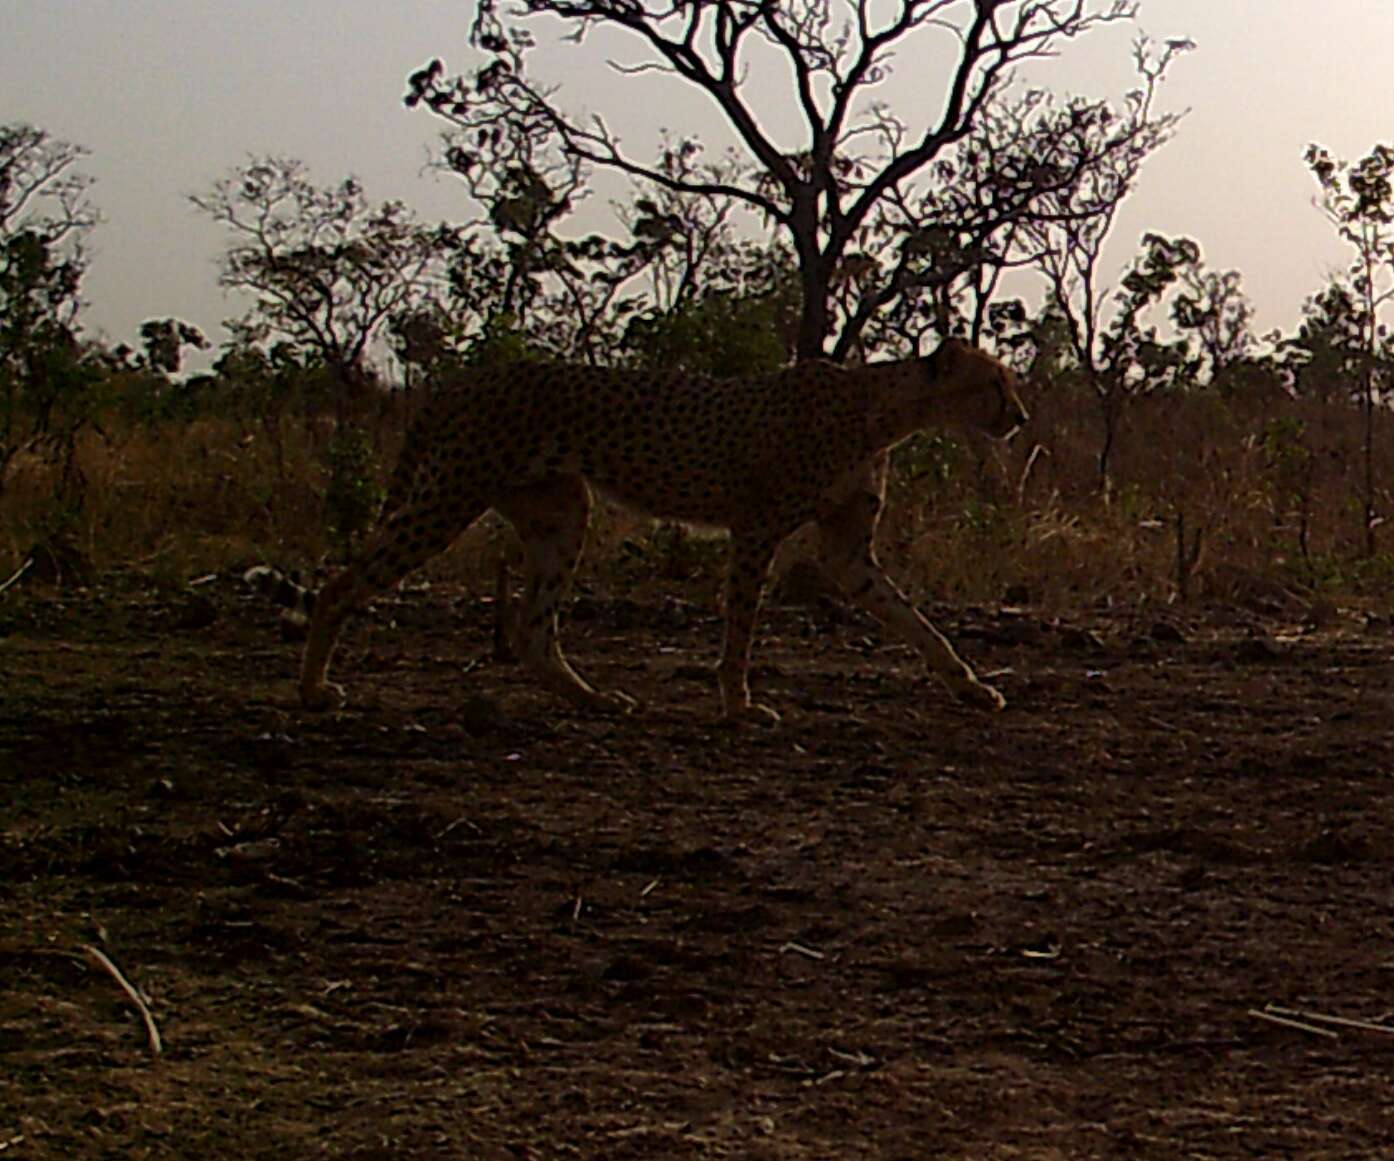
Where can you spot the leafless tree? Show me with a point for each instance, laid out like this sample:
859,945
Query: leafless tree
1065,241
326,269
852,201
40,192
569,293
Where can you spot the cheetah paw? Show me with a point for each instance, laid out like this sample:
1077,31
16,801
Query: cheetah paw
752,713
327,696
973,692
616,701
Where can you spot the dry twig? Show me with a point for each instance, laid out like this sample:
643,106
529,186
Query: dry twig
14,580
152,1031
1036,452
1298,1025
806,952
1323,1018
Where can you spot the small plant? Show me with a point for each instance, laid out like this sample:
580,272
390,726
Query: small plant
1291,465
355,493
930,455
683,553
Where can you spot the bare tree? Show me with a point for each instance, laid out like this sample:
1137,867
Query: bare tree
326,268
851,200
1037,182
1065,242
527,271
43,197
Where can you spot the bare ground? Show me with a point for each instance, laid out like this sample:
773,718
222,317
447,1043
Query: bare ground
459,920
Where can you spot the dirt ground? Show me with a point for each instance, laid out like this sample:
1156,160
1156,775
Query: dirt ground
459,920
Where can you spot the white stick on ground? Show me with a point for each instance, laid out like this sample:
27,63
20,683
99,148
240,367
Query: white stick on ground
806,952
23,568
1323,1018
1257,1014
102,960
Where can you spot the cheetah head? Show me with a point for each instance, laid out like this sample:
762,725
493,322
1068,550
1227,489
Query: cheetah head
975,389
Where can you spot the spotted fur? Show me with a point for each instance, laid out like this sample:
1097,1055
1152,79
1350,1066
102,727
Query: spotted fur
760,456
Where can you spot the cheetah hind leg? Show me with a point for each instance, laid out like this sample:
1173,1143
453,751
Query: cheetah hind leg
550,518
752,553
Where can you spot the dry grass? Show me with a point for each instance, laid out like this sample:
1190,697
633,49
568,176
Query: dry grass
173,500
1266,485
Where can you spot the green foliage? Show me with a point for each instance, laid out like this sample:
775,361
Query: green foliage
1337,573
1134,357
46,376
995,523
139,386
501,342
1132,504
1328,353
164,340
719,334
258,386
1283,445
326,269
1358,200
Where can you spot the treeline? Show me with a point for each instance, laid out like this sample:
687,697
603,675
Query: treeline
1170,442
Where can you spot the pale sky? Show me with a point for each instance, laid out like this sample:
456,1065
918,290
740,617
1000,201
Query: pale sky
169,94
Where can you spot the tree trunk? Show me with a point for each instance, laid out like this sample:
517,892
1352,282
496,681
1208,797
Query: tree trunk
1369,439
1109,410
813,318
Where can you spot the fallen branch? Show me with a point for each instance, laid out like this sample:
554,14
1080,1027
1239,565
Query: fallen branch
14,580
1298,1025
1323,1018
102,960
806,952
1036,452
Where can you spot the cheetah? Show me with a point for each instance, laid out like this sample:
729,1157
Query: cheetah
758,455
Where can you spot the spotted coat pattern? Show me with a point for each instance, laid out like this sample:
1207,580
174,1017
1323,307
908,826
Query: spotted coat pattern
760,456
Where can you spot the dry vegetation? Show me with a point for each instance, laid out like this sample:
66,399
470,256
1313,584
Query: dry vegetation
1208,493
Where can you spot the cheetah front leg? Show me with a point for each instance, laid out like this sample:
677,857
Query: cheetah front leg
404,540
751,556
550,519
332,607
847,552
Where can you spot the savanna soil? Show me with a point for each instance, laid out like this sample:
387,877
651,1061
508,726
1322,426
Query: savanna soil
459,920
